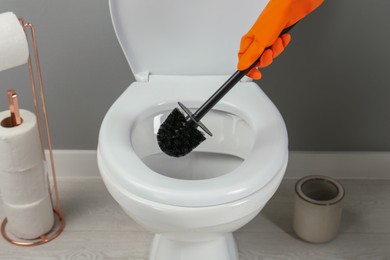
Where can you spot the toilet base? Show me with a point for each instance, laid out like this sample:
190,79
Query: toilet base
194,247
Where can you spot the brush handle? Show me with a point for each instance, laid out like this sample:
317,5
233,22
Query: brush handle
227,86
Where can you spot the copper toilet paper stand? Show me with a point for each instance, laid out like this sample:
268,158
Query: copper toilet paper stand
59,224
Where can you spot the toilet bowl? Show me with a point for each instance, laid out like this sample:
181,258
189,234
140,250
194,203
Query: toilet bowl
192,203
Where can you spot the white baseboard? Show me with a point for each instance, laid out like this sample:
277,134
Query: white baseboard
340,165
76,164
81,164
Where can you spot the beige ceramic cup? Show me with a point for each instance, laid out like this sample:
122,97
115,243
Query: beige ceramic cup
318,207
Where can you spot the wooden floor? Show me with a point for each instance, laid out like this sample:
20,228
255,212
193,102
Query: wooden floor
98,229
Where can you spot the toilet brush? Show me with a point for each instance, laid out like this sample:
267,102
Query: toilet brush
178,134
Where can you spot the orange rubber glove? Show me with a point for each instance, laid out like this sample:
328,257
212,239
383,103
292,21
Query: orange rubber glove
265,32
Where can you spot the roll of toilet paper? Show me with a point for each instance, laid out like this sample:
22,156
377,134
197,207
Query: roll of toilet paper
24,187
13,42
30,221
20,148
23,178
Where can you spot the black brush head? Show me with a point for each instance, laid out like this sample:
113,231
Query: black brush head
176,137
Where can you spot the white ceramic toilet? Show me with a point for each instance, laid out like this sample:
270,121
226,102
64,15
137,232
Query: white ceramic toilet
183,51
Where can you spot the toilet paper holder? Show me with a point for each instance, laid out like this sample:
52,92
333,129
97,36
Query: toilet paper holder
40,110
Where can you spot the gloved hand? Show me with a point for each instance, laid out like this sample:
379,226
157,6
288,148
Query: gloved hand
265,32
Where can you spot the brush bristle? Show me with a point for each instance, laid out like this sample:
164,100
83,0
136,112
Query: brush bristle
176,137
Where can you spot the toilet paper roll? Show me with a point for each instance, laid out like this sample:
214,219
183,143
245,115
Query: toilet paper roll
30,221
20,188
13,42
20,148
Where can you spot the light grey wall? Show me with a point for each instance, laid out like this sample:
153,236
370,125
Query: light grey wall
332,85
83,67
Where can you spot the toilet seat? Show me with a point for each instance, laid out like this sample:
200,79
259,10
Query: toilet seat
183,51
116,154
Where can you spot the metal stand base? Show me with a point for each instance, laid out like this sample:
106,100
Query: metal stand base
44,238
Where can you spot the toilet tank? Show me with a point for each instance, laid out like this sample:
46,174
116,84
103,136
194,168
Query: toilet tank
182,37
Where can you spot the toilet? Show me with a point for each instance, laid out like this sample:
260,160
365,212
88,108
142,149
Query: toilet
183,51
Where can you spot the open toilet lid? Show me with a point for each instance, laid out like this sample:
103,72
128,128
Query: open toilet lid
176,37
